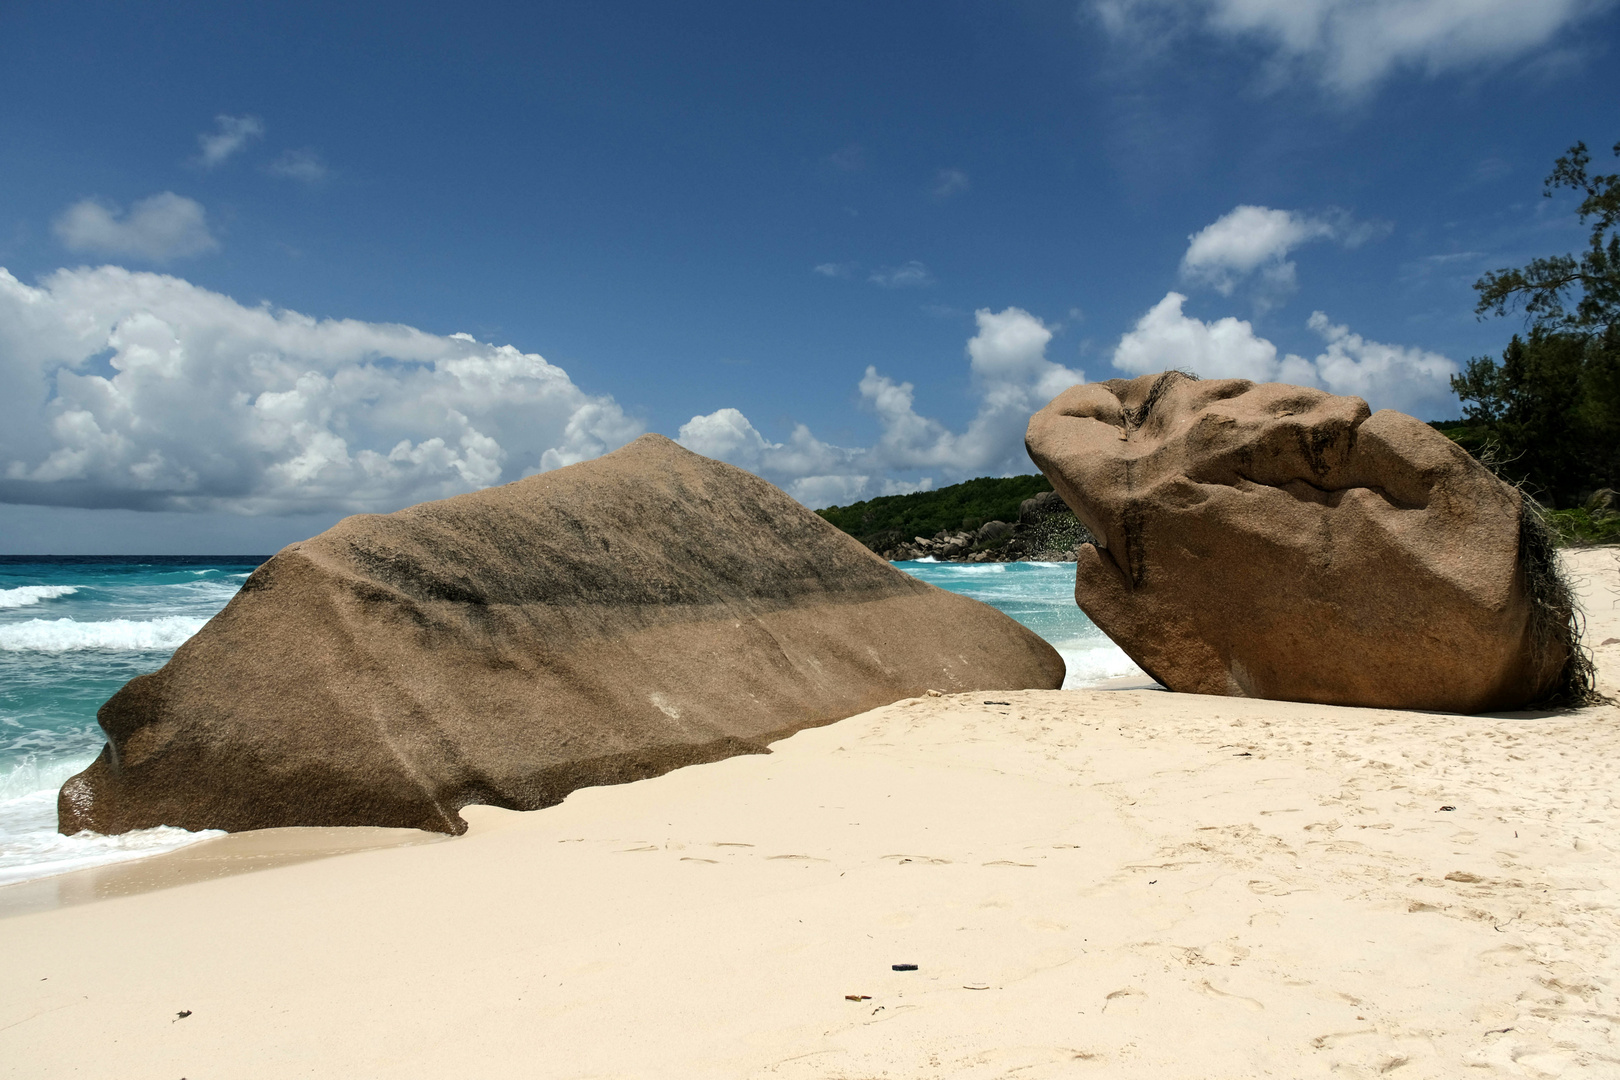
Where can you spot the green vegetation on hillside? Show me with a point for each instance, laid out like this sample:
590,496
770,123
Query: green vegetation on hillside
1547,414
961,506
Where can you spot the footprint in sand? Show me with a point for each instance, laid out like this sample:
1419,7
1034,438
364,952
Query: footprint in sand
1214,991
927,860
1216,954
1126,999
1322,1042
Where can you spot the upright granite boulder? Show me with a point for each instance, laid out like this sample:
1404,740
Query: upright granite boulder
1281,542
601,623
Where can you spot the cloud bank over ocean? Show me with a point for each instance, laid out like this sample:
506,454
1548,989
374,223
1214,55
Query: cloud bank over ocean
144,391
137,390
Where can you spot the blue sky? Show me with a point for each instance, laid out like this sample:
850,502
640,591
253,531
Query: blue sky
848,246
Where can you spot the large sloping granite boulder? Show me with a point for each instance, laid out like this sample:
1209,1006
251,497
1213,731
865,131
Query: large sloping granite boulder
601,623
1281,542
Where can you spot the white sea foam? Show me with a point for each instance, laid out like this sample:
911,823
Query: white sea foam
30,846
57,670
31,776
67,635
981,568
1091,664
28,595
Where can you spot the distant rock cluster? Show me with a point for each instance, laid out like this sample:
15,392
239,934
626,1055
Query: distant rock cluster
1046,531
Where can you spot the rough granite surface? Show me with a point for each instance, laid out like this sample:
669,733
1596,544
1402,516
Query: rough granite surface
601,623
1276,541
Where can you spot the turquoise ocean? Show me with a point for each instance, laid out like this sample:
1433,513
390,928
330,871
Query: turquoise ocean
75,629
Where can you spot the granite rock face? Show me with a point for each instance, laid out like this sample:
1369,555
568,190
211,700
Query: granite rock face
1281,542
605,622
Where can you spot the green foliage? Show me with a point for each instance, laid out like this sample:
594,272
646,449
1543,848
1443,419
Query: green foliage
1580,526
1547,415
967,505
1544,285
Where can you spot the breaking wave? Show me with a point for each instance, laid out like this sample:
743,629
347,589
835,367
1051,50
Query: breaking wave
68,635
28,595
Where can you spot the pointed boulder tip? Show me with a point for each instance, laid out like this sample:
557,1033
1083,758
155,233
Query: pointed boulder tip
654,441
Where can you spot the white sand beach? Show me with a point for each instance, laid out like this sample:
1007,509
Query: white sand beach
1099,883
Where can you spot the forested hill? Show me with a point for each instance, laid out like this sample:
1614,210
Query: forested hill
961,506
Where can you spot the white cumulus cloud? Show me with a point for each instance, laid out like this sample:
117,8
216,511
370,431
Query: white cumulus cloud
1227,348
163,227
1349,46
1387,376
230,134
1353,365
1011,378
129,389
726,434
1246,240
